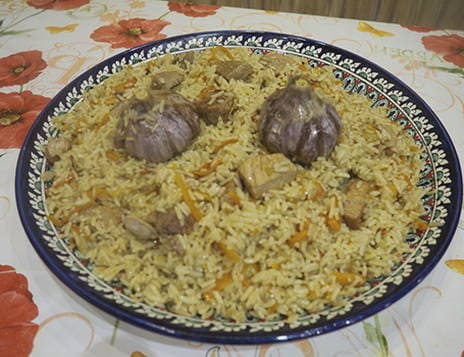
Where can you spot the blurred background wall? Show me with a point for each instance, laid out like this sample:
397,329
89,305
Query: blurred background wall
445,14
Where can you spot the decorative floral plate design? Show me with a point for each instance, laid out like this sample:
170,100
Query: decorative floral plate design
441,173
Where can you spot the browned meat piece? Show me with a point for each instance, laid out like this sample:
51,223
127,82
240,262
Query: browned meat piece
215,104
139,228
297,123
277,61
168,223
262,173
55,148
156,128
176,246
185,58
238,70
355,201
167,80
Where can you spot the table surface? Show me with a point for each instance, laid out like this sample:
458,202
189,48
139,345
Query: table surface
46,43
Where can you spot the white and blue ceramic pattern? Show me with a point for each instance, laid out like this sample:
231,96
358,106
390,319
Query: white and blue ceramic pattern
441,174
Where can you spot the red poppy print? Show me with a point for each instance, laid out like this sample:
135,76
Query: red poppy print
21,67
193,10
17,310
418,28
130,33
57,4
17,113
451,47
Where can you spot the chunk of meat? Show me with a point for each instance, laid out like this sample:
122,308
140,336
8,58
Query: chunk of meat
176,246
355,201
55,148
297,123
238,70
277,61
185,58
215,104
139,228
157,127
167,80
262,173
169,224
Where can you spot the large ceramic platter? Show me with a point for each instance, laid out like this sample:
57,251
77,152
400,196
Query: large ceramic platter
441,175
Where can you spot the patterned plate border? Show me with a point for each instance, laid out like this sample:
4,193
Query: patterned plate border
442,173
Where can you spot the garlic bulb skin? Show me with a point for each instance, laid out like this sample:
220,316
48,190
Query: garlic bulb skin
297,123
157,127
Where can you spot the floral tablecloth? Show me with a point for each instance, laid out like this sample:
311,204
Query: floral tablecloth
46,43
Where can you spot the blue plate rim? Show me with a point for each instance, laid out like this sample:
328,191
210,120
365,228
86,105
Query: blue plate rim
71,280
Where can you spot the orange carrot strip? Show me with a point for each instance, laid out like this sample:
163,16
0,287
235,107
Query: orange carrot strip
223,282
102,122
333,223
189,201
112,155
207,168
319,190
301,235
246,283
229,253
130,83
224,143
64,181
272,309
421,225
208,296
234,198
226,52
347,278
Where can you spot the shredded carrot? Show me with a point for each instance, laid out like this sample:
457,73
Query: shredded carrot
112,155
189,201
302,67
246,283
64,181
300,235
102,122
421,225
110,100
223,282
130,83
272,309
58,222
320,192
221,49
229,253
407,179
205,92
233,197
224,143
207,168
75,228
208,296
312,295
347,278
333,223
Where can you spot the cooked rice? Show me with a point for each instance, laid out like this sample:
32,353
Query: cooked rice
271,278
